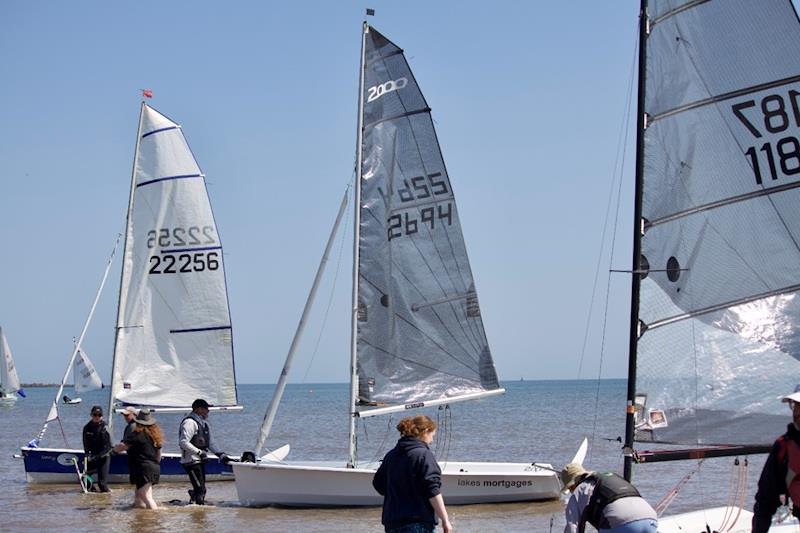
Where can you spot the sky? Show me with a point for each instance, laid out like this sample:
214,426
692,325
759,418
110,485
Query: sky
528,98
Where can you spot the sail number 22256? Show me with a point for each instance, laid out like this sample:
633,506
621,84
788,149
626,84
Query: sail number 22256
777,114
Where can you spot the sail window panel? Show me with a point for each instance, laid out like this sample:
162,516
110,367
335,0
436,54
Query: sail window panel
715,385
725,255
717,47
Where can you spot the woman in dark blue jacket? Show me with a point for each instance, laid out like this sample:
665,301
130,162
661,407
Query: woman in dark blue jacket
410,481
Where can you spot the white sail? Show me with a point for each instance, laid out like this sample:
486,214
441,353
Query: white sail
721,185
174,340
9,381
83,372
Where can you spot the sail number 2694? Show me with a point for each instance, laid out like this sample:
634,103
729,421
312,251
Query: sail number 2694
777,114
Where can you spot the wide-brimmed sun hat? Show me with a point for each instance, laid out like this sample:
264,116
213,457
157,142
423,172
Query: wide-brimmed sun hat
145,418
130,411
572,473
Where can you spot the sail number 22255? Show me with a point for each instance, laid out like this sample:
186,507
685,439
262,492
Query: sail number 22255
777,114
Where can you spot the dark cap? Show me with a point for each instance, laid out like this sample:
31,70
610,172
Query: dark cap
97,410
200,403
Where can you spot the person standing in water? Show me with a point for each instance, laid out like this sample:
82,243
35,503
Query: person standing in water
410,481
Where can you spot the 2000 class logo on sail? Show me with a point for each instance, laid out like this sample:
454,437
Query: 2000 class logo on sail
376,91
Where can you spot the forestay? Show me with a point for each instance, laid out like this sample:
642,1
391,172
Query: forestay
420,336
174,340
719,307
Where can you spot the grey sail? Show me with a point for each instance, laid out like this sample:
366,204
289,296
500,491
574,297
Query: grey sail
719,306
420,336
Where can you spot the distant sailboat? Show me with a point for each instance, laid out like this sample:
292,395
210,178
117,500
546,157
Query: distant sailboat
173,339
85,377
417,334
714,331
9,381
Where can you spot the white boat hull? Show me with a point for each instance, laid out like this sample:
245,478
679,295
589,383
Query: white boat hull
329,484
8,400
728,519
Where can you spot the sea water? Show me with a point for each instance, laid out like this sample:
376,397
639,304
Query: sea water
535,421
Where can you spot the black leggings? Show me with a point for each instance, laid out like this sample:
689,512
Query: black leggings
197,475
98,469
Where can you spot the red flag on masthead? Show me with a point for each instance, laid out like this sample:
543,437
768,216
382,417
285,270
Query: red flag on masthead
147,93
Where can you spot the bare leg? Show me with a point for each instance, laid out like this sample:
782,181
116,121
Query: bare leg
138,501
148,496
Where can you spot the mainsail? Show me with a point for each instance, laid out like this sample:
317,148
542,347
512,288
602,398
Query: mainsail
420,336
9,381
84,374
174,340
719,307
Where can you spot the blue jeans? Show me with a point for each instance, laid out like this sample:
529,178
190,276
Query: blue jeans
416,527
646,525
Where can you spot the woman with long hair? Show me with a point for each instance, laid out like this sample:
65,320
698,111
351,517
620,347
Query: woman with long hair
143,445
410,481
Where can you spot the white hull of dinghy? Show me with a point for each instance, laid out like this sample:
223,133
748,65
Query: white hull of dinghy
8,400
328,484
728,519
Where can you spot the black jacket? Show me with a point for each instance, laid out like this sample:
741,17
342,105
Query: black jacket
772,483
96,440
408,477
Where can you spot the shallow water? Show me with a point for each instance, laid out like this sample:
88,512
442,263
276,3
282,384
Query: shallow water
533,421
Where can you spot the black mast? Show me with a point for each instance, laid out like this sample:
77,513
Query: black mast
637,240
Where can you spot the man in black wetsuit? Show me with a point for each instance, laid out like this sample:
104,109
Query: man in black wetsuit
97,446
194,438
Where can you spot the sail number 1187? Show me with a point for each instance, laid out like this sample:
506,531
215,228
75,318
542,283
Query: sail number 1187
777,113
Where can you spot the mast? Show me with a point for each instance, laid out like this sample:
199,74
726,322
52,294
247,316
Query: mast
125,246
351,462
637,240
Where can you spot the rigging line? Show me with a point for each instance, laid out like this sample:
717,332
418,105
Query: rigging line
416,363
619,164
413,285
733,94
333,290
612,249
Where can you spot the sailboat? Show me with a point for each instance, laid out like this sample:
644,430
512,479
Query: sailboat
9,381
173,339
85,378
417,337
714,308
